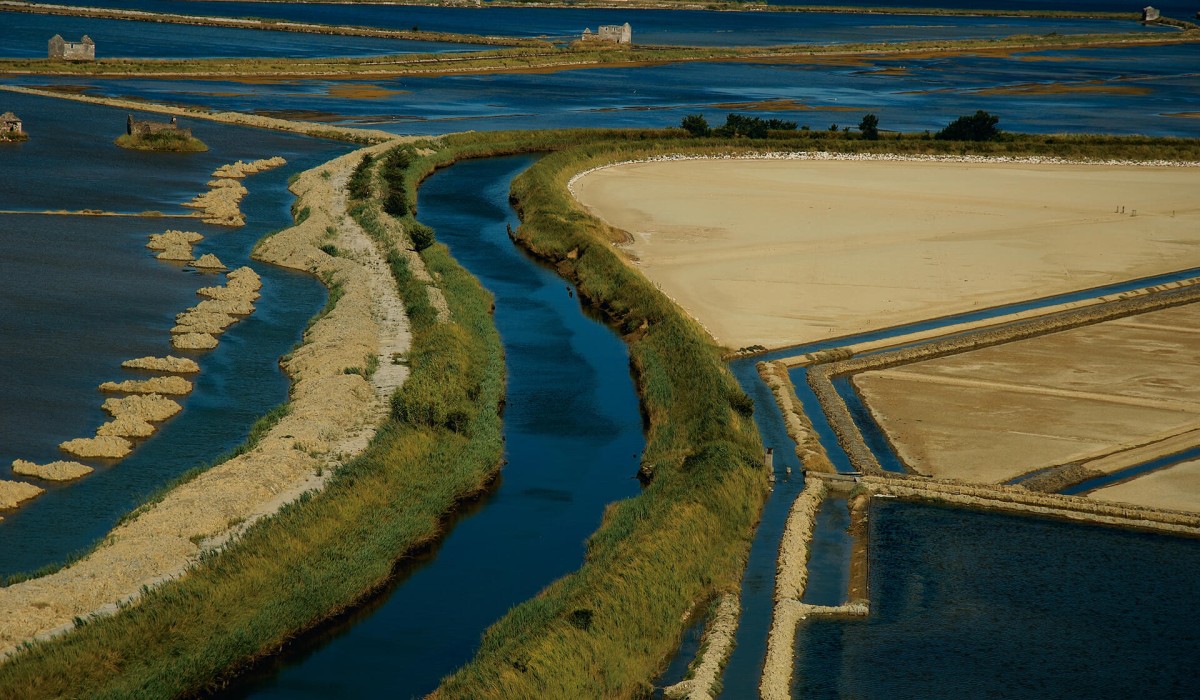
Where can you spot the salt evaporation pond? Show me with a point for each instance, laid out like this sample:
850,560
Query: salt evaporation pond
651,27
25,36
81,294
976,604
1143,90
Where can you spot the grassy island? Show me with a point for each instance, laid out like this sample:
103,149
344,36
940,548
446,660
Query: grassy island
163,141
13,137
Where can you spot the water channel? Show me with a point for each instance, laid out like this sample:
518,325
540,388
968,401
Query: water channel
573,443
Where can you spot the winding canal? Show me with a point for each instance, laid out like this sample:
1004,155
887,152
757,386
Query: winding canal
573,441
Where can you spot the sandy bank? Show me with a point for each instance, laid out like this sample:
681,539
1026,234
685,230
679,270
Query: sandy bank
208,261
333,415
54,471
155,385
791,578
718,643
99,447
149,407
175,365
13,493
814,246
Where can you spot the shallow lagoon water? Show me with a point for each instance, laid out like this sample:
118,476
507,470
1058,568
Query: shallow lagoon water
1109,90
55,349
25,36
573,442
652,27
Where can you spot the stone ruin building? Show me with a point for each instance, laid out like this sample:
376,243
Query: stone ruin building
136,127
10,124
1150,14
82,50
612,33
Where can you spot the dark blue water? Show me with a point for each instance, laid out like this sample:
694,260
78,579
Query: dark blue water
927,94
968,604
653,27
25,36
829,554
740,677
79,295
573,441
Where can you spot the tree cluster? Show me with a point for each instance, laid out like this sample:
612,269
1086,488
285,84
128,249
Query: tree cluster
980,126
359,185
736,125
395,198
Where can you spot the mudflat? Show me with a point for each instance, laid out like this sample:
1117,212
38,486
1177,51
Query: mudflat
778,252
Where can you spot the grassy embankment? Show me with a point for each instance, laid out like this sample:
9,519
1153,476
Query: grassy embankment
163,141
602,631
562,58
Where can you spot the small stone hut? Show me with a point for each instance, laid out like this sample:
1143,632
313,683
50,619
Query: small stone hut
63,50
10,124
1150,14
136,127
612,33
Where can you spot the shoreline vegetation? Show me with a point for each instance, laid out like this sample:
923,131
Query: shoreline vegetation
568,58
655,557
162,142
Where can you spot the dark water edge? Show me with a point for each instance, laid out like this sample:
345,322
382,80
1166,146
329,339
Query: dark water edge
650,27
968,604
573,442
25,36
82,294
829,554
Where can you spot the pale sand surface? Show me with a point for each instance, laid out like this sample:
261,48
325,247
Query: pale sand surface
778,252
992,414
1177,488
